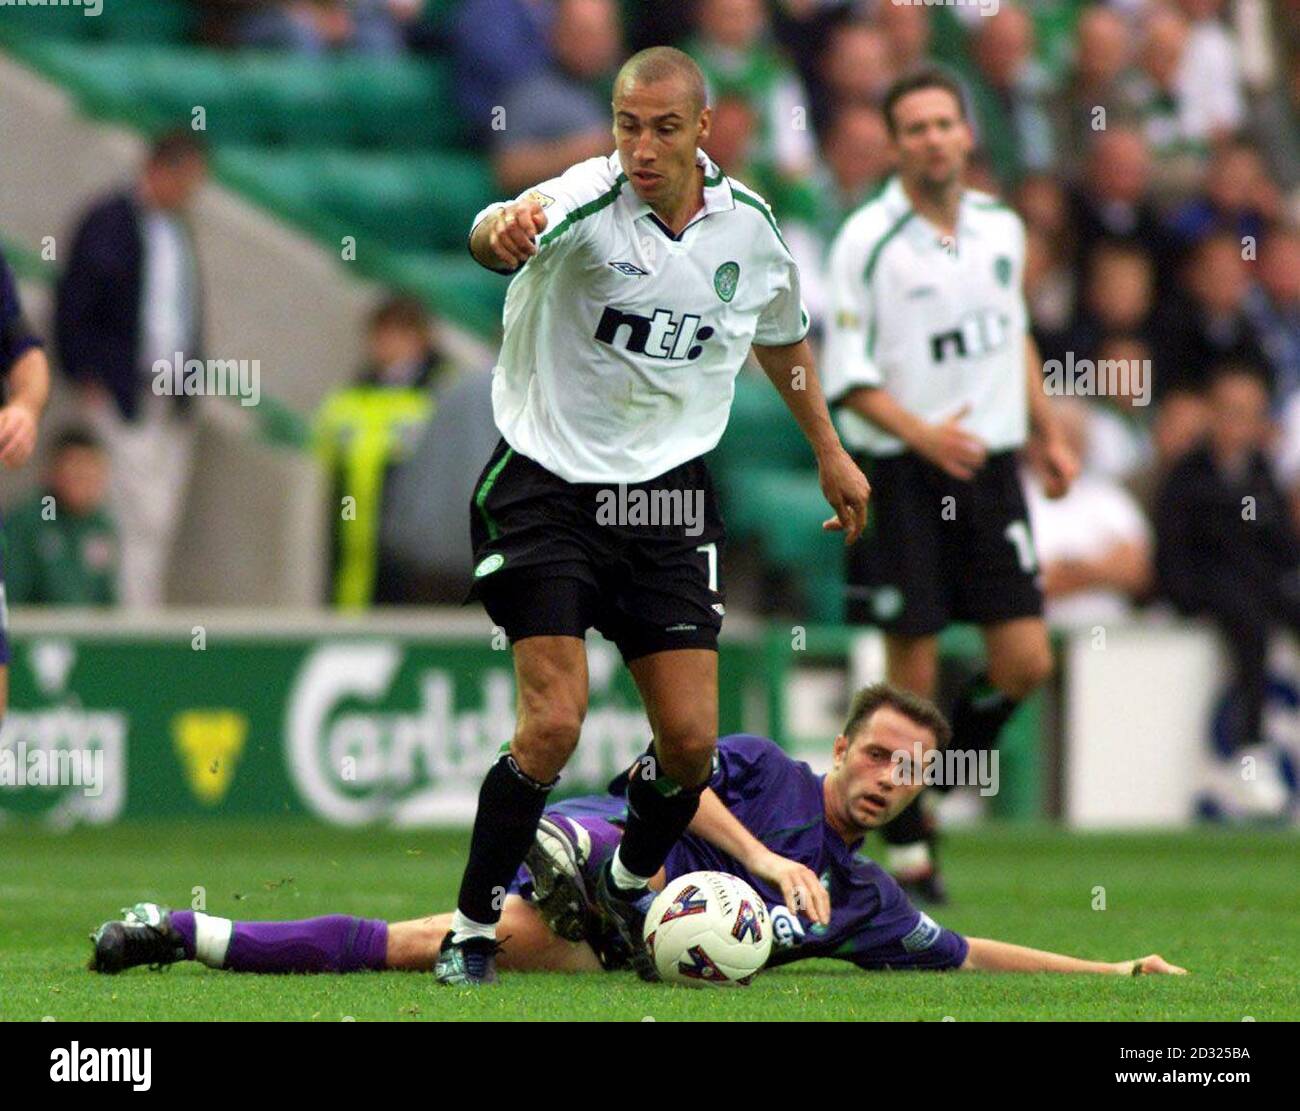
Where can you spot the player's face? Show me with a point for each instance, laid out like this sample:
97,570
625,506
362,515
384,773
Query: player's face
657,130
874,774
931,138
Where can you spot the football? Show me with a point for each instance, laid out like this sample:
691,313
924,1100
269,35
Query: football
708,928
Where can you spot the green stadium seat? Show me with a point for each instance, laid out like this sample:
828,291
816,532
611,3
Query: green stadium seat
118,21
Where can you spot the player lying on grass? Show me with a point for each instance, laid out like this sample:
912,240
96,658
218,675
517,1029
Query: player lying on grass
769,819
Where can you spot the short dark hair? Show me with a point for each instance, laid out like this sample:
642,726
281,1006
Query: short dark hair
920,711
662,63
75,437
173,147
400,311
927,77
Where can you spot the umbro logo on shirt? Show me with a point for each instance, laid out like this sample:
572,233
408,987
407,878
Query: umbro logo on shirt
630,269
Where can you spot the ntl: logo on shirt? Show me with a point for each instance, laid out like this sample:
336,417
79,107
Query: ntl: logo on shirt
182,377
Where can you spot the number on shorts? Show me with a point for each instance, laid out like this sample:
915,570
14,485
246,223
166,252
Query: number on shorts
711,550
1018,533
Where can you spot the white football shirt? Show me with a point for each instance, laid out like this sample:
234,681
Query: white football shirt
622,343
937,323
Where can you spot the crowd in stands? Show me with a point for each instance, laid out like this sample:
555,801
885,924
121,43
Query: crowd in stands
1152,148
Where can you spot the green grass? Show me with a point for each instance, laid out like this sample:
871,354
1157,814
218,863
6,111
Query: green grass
1224,904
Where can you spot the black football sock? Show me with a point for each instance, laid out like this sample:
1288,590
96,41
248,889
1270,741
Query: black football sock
509,806
978,717
658,812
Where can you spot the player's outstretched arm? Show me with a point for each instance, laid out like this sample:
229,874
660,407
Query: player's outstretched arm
790,369
1002,956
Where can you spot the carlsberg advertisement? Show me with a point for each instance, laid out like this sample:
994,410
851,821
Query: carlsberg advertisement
354,731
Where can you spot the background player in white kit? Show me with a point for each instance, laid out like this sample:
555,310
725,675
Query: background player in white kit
646,277
938,384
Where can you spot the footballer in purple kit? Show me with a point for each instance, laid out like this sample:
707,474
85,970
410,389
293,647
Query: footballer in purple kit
793,835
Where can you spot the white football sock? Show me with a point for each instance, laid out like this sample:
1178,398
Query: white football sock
462,928
627,881
908,860
211,939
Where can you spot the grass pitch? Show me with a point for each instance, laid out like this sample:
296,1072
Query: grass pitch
1225,904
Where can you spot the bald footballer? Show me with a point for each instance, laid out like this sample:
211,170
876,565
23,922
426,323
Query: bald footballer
642,280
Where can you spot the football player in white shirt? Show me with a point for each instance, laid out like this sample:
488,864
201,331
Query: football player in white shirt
644,278
937,383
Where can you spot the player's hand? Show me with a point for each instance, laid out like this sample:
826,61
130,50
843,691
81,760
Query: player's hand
1154,965
953,449
800,887
513,232
17,435
1057,466
847,490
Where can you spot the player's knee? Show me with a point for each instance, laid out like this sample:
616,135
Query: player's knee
1024,673
545,739
686,757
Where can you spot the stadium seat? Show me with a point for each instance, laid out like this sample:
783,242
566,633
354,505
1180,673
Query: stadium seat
118,21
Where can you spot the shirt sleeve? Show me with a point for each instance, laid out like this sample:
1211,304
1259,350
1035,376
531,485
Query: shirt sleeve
747,766
848,360
565,200
16,335
895,935
784,320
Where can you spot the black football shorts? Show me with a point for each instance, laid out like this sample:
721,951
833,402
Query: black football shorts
939,550
640,562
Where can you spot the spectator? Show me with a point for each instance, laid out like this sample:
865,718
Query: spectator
556,117
496,43
130,297
426,528
907,29
1178,425
1175,114
1094,544
1112,202
1119,436
1093,94
1008,92
732,47
1273,307
856,71
1213,325
318,26
362,433
61,545
1119,296
1210,81
1237,198
1227,551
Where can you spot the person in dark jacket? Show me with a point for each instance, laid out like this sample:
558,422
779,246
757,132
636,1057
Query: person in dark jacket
128,319
1226,550
25,379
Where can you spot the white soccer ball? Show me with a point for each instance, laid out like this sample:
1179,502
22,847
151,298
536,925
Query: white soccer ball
708,928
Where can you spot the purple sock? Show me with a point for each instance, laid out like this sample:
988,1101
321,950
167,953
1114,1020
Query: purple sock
335,943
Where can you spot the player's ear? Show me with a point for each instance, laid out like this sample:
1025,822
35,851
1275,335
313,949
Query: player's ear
840,747
706,122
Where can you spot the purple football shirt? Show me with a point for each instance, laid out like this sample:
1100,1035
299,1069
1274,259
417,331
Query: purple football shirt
779,800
